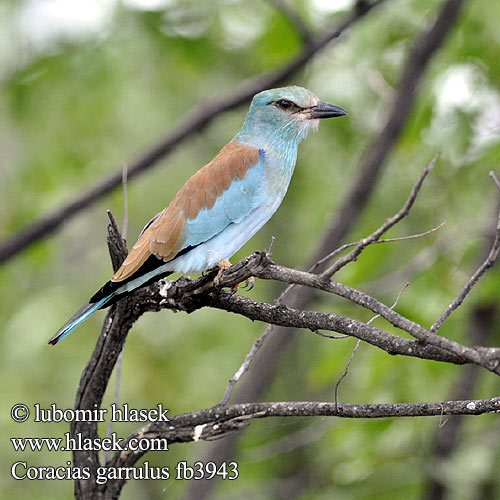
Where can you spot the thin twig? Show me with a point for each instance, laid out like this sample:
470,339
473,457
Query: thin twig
441,422
245,365
288,275
119,361
346,371
326,258
485,266
495,179
180,428
334,337
386,240
270,249
125,200
405,210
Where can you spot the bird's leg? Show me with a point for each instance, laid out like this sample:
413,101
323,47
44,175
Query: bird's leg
225,264
222,265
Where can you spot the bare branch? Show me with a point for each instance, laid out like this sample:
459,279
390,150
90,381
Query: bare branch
346,371
485,266
386,240
313,320
334,337
218,421
188,295
246,364
495,179
405,210
487,359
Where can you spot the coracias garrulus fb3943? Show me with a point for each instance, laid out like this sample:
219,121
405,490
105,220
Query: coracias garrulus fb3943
223,204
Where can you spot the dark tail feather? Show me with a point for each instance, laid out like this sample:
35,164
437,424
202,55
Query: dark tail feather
110,293
79,317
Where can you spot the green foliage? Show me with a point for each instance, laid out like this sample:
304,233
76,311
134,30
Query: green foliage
76,106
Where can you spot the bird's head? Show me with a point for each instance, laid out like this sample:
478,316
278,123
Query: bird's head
287,113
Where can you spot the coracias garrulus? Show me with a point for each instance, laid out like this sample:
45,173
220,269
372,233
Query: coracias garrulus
223,204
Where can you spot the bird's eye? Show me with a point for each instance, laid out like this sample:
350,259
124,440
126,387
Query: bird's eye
285,104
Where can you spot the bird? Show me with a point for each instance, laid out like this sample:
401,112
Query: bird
224,203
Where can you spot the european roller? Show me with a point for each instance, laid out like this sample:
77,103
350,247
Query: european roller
224,203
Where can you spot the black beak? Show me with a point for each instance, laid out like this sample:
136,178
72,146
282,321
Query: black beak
326,110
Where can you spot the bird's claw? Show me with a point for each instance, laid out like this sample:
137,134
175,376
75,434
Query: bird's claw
248,283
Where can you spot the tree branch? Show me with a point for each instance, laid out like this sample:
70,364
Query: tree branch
485,266
340,249
434,347
215,422
405,210
346,371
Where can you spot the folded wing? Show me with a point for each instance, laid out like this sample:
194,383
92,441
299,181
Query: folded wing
224,191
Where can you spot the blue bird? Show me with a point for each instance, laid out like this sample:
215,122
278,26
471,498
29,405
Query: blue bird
223,204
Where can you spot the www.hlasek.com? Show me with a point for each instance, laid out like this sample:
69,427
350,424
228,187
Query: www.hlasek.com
112,443
80,443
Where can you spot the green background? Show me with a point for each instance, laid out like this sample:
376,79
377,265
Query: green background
86,86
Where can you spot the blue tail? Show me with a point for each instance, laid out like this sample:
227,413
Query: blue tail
79,317
109,294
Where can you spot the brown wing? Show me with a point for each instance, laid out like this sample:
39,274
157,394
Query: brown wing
163,237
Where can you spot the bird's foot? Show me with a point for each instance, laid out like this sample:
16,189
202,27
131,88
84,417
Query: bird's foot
248,283
225,264
222,265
